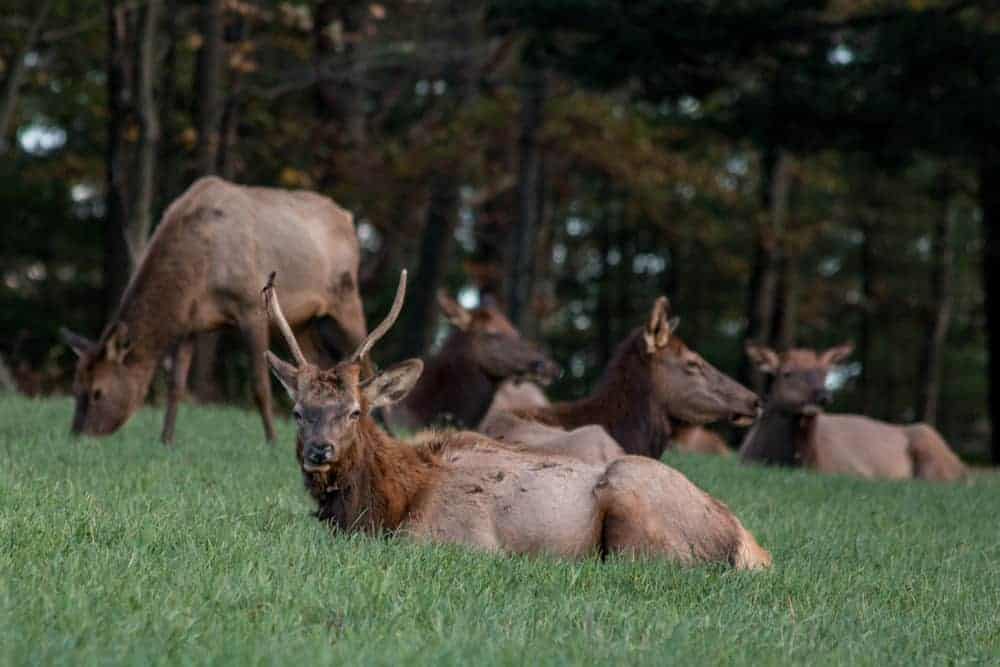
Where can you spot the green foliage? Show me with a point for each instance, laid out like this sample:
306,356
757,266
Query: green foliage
120,551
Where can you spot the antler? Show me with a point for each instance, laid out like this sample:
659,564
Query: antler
273,310
390,319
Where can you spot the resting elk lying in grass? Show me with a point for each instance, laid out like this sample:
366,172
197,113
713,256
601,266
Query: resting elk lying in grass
698,440
794,431
462,487
202,271
461,380
652,380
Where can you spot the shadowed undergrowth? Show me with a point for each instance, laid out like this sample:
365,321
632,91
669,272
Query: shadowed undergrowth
121,551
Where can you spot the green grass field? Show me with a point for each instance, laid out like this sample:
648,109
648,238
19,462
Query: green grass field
120,551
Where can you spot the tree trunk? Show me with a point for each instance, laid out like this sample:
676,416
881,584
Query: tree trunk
776,174
939,313
989,200
209,86
169,181
204,382
462,71
530,189
339,100
12,84
142,207
116,251
605,296
867,388
435,245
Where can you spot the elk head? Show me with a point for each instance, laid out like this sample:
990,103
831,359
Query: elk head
687,387
489,340
107,386
333,406
799,385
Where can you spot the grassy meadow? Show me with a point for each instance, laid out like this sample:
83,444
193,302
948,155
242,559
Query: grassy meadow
121,551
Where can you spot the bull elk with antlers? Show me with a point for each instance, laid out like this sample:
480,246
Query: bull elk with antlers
794,431
462,487
202,271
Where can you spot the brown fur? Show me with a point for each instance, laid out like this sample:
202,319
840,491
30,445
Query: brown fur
699,440
203,270
794,432
464,488
459,382
652,380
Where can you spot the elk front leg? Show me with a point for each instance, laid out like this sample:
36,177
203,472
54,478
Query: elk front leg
255,333
176,386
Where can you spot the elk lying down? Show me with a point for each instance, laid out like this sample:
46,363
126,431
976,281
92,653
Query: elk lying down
794,431
202,271
698,440
501,423
459,382
462,487
653,380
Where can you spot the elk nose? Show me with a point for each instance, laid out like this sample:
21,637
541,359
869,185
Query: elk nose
317,454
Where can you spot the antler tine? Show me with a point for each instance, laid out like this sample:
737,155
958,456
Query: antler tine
390,319
273,310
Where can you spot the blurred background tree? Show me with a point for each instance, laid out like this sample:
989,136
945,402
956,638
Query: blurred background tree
793,172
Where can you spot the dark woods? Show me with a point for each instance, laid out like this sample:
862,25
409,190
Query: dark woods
788,172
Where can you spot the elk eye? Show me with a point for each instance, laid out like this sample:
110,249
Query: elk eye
297,414
97,394
692,367
355,414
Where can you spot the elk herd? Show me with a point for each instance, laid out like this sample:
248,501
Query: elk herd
571,479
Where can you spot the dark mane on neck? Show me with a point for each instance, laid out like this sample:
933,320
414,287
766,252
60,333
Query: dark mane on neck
453,383
774,439
622,402
375,487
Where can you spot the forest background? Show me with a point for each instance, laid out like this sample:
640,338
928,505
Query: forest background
792,172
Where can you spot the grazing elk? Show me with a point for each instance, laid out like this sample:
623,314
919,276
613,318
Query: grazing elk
460,381
652,380
201,271
793,430
462,487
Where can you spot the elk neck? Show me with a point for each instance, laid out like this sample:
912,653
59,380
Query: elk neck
377,485
452,383
624,403
775,437
159,299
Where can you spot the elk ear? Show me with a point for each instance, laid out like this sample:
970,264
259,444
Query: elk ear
393,384
76,342
837,354
766,359
119,344
659,327
457,315
287,374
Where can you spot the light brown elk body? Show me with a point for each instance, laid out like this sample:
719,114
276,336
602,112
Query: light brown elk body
694,439
459,382
590,444
202,270
794,431
462,487
653,380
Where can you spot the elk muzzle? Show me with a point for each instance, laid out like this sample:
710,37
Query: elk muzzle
317,456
